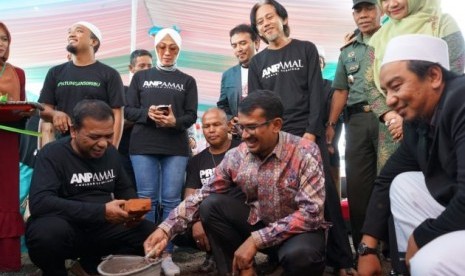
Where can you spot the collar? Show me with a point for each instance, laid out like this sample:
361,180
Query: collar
435,116
437,111
279,148
362,40
160,67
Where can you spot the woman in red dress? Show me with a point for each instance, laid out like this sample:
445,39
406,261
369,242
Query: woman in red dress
12,84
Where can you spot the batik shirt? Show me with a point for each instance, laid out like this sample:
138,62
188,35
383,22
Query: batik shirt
285,190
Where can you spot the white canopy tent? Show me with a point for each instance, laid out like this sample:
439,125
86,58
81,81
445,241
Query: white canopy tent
39,30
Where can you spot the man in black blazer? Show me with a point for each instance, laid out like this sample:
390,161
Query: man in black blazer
245,43
423,183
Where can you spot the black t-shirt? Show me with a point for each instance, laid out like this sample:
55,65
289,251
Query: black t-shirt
157,87
293,73
67,185
201,167
67,84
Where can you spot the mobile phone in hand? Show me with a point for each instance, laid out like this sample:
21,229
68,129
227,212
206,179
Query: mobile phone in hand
164,108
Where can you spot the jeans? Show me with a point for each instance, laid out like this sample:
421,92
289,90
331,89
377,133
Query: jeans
160,178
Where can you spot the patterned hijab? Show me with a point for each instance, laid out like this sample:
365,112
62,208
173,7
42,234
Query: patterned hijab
9,81
424,17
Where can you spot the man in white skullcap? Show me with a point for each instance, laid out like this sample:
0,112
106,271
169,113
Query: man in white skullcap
423,182
83,77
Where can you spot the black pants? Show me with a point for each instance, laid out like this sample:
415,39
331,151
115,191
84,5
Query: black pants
52,240
338,250
187,240
225,221
361,164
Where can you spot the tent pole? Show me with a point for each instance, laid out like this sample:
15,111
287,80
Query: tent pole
133,27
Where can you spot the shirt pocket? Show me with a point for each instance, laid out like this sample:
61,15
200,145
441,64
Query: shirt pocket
352,67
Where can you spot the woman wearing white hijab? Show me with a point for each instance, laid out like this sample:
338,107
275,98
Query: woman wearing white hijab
162,101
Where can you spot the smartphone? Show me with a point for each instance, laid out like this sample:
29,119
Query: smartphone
164,108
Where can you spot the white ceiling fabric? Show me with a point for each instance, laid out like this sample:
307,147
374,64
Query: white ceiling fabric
39,31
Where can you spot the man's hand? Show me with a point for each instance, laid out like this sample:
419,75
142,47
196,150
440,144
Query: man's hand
394,122
412,249
309,136
244,256
61,121
156,243
369,265
29,113
231,125
329,139
349,38
330,133
200,237
114,212
192,143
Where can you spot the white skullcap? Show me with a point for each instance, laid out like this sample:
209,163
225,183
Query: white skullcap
172,33
92,28
417,47
321,51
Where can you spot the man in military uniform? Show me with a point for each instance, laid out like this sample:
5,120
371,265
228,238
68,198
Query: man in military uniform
361,123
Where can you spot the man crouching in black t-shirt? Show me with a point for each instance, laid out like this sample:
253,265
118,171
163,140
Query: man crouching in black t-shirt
77,192
200,169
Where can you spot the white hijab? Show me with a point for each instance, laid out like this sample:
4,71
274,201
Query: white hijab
177,39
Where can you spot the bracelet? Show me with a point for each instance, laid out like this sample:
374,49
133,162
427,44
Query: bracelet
331,124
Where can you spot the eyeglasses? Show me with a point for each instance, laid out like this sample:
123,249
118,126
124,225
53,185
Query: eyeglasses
250,128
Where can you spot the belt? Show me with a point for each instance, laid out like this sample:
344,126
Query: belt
358,108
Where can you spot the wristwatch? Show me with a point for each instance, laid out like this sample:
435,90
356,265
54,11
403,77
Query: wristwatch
363,250
331,124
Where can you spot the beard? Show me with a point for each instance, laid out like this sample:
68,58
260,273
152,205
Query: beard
271,37
72,49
